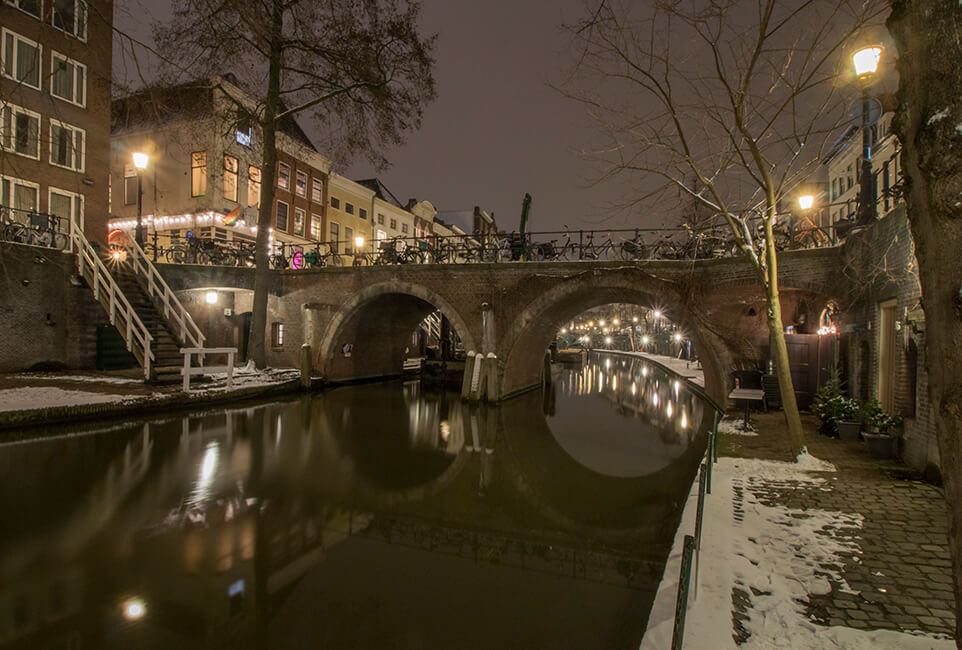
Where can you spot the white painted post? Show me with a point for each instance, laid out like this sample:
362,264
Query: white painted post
187,354
491,367
230,369
469,363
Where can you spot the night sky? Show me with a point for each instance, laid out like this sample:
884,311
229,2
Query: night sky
497,130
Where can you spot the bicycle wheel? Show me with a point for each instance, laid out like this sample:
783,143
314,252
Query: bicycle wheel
15,232
176,254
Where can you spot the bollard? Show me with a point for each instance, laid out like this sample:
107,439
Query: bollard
477,378
306,368
681,604
468,373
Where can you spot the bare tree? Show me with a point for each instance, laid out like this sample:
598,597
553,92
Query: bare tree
928,124
728,104
359,69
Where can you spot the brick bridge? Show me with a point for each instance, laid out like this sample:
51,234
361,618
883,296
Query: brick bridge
513,309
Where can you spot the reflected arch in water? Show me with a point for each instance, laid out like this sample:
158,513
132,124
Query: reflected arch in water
367,336
526,339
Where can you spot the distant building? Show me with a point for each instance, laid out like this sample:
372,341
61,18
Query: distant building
349,214
476,222
55,66
391,219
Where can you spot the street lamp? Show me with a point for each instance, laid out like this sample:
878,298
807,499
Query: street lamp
140,162
358,245
806,201
866,63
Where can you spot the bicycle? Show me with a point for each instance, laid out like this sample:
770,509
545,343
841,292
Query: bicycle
634,249
591,252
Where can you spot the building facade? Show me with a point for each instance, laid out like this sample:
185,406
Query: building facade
55,112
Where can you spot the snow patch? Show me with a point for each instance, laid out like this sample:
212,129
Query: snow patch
94,379
734,428
36,397
937,116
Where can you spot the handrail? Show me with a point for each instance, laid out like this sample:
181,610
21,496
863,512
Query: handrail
101,279
190,334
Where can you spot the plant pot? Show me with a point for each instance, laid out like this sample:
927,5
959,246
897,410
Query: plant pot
848,430
879,444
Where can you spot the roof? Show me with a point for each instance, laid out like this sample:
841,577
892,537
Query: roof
380,191
463,219
194,100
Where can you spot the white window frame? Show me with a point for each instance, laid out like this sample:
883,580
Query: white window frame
230,174
14,181
73,142
78,16
298,175
294,229
317,234
286,177
16,3
287,216
78,218
16,53
54,55
14,109
251,183
317,191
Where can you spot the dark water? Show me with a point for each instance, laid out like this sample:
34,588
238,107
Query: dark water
376,516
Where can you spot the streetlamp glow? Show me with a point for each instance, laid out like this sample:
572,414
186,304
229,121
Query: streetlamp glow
657,314
140,160
359,241
866,61
211,297
608,340
806,201
677,338
134,609
644,340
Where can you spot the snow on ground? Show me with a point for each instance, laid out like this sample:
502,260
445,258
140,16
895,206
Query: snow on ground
733,427
98,379
36,397
780,553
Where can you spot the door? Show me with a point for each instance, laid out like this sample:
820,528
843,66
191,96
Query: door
886,355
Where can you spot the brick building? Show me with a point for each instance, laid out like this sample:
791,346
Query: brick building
55,111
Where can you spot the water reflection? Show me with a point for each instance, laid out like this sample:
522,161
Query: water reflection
370,516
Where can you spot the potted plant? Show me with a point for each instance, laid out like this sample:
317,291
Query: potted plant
879,425
839,414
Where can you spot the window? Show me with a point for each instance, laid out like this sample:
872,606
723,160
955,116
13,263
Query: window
349,208
20,131
68,79
316,233
348,241
71,17
834,189
230,178
22,196
300,184
335,237
198,173
887,184
130,185
282,210
21,59
850,183
380,219
404,228
284,176
67,205
299,222
66,146
253,186
362,213
243,134
393,224
277,335
317,191
335,203
32,7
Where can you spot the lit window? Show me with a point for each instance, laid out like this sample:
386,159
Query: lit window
230,178
68,79
335,237
317,191
349,208
284,176
348,241
130,185
71,17
300,184
21,59
316,233
32,7
299,222
66,146
198,173
282,209
277,334
20,131
253,186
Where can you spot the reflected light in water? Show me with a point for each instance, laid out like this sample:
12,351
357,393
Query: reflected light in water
668,409
644,371
208,468
654,399
614,382
684,420
634,388
134,609
445,430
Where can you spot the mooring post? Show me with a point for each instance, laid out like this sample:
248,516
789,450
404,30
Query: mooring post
491,368
469,363
306,365
547,367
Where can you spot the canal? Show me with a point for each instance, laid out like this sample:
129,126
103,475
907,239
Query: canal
369,516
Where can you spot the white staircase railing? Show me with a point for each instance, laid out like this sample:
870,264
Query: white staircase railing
174,313
122,315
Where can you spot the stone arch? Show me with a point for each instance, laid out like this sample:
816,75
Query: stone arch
522,346
375,322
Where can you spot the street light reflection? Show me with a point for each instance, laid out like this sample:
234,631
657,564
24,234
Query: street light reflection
134,609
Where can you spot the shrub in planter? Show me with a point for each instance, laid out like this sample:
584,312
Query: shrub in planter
833,408
880,425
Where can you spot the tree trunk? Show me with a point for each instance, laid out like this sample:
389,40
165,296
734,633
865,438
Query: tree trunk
929,125
262,272
779,349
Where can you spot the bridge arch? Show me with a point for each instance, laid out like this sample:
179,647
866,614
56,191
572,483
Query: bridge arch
366,337
524,341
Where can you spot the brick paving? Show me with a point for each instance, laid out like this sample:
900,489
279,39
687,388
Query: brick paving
902,579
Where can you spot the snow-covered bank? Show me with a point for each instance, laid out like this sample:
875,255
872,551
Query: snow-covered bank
774,557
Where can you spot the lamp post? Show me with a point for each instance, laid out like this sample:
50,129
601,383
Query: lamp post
140,162
866,63
358,245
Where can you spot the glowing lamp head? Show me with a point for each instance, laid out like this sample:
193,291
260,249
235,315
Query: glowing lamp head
644,340
806,201
608,340
134,609
211,297
634,319
116,256
866,61
359,241
140,160
677,338
616,322
657,314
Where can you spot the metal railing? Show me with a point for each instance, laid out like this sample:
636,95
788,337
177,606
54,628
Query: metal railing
34,228
157,289
105,289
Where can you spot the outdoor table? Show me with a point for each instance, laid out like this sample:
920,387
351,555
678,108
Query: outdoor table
748,395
